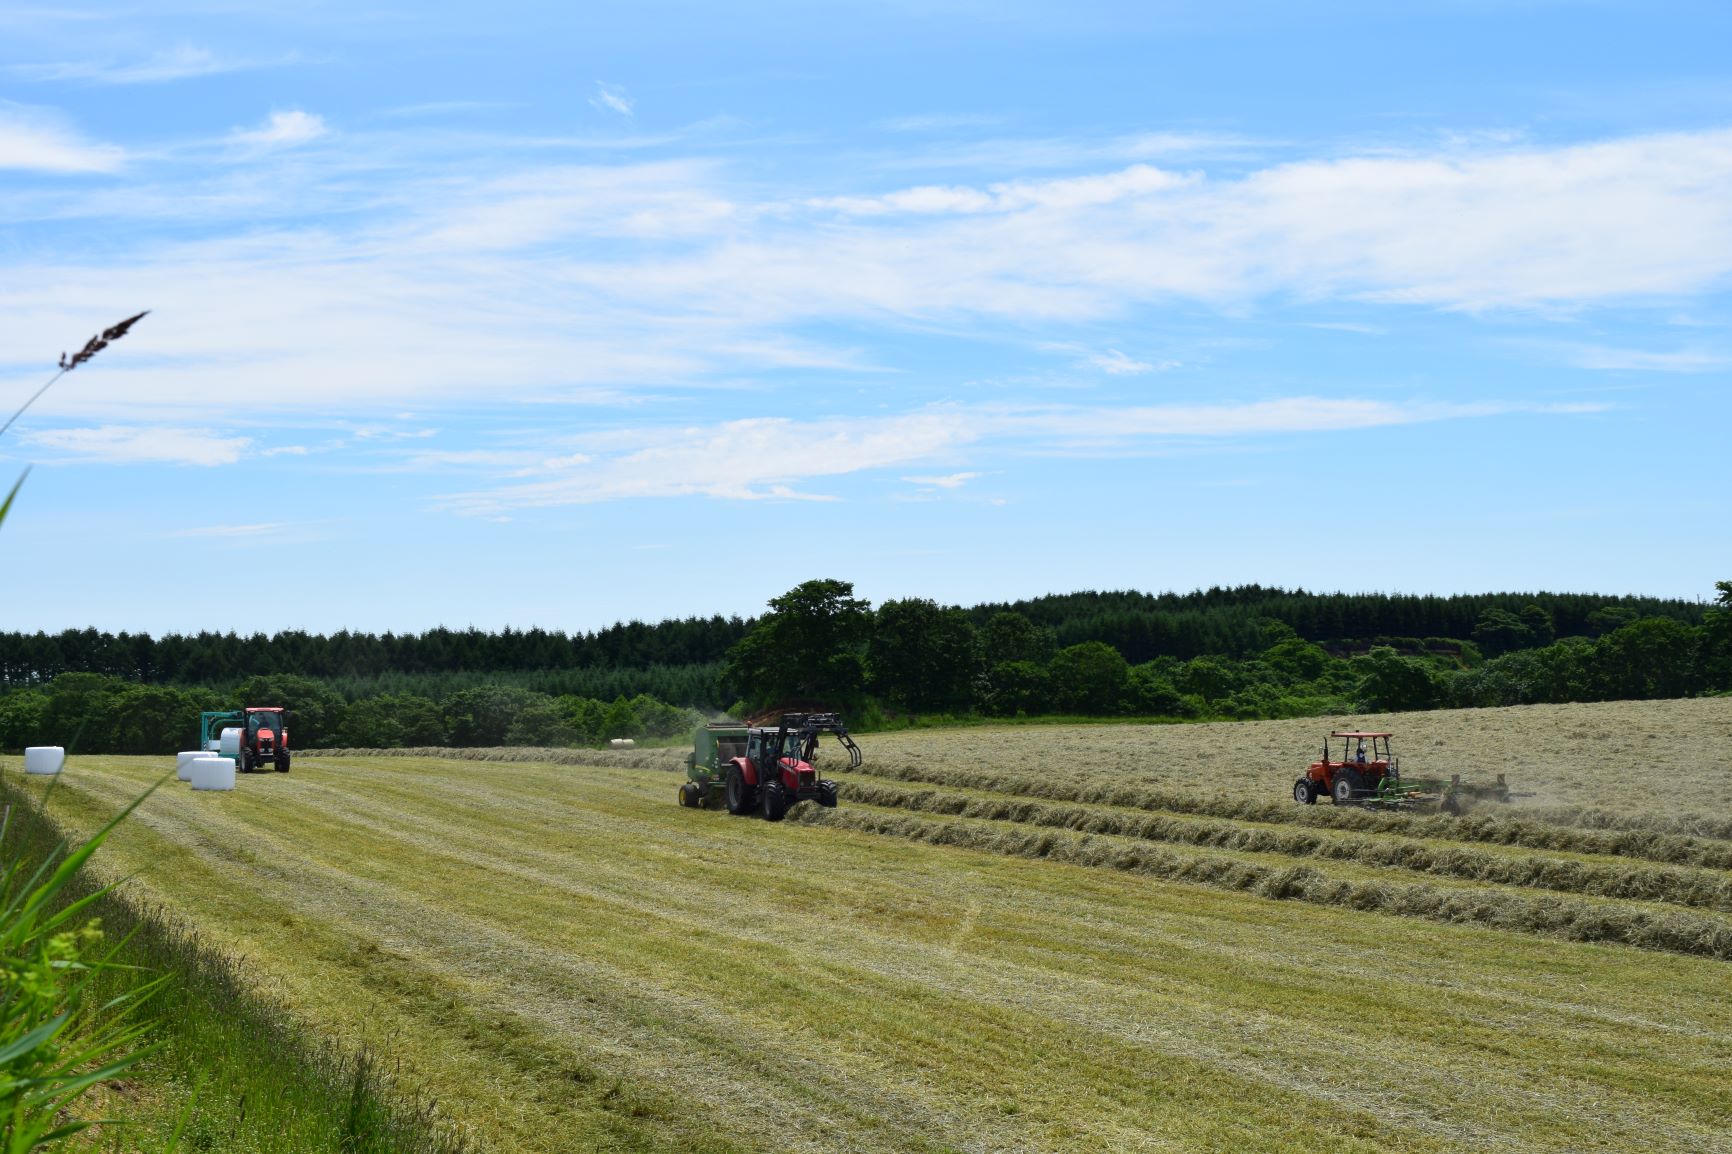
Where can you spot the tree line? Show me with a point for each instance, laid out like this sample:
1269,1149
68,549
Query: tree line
97,713
821,644
1141,626
1216,653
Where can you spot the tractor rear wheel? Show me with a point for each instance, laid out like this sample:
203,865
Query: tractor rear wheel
1346,782
775,799
740,795
1304,792
827,793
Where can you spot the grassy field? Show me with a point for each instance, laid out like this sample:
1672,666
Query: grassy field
1004,940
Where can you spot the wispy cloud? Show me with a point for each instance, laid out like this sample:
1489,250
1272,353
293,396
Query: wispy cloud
283,130
610,98
181,62
745,460
129,445
604,283
259,530
35,139
1692,360
947,481
440,108
935,122
1118,364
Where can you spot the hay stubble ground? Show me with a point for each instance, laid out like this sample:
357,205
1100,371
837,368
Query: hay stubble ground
569,961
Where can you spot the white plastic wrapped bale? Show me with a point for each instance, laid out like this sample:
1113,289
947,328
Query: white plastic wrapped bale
229,743
212,773
623,743
44,760
183,763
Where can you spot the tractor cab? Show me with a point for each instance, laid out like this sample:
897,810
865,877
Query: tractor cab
265,739
1355,765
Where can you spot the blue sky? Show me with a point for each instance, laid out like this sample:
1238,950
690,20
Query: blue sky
563,314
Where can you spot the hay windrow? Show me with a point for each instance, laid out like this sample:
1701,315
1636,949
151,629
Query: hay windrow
1528,830
1671,885
1574,920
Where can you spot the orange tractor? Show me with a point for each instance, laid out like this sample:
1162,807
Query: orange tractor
1370,774
1360,772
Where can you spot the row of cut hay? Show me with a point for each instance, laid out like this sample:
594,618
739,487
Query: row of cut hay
1512,825
1672,885
668,760
1675,931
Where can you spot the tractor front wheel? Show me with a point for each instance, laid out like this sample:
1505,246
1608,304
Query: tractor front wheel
740,795
282,763
245,761
1304,792
827,793
775,798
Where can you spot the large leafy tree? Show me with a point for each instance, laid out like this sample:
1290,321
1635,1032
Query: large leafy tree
1089,678
924,657
1009,636
1393,682
809,647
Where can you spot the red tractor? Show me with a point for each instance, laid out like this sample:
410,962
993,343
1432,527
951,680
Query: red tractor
262,732
1360,772
776,769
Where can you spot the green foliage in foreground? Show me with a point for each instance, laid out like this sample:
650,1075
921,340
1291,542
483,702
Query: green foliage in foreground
215,1068
59,1034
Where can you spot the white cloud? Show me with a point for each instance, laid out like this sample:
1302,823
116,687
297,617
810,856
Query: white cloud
259,530
283,130
935,122
606,283
1078,192
1118,364
1692,360
948,481
762,458
178,63
285,451
36,140
610,98
124,445
746,460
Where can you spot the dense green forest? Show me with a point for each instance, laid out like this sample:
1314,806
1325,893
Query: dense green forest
1246,652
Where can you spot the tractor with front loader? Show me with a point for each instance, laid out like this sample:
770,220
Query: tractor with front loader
1371,775
262,736
766,768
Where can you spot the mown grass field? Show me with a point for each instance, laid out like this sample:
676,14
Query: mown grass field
1005,939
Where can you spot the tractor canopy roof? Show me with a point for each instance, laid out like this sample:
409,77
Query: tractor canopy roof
1355,733
264,709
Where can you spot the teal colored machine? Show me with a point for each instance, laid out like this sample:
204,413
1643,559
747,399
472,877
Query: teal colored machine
211,725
